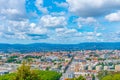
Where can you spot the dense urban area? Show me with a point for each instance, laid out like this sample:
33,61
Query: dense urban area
90,64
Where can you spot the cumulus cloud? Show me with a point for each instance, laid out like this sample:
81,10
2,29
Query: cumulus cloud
13,9
85,21
74,35
98,34
111,37
49,25
37,29
92,36
13,35
13,19
68,33
14,23
113,17
22,30
14,29
39,5
53,21
88,8
62,4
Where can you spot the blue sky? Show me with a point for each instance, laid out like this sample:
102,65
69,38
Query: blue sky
59,21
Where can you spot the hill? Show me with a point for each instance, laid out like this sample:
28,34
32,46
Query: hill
43,47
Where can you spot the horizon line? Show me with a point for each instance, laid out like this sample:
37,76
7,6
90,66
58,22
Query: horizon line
55,43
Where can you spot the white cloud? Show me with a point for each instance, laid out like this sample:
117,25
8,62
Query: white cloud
14,29
58,13
21,29
113,17
39,5
90,33
13,4
95,34
65,30
14,23
58,30
98,34
13,9
11,35
10,11
1,27
18,26
32,25
86,21
35,29
53,21
87,8
67,33
92,36
20,36
62,4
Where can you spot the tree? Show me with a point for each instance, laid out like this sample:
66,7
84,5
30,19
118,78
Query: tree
78,78
93,77
112,77
108,75
25,73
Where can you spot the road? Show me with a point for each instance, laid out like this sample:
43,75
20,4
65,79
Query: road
68,70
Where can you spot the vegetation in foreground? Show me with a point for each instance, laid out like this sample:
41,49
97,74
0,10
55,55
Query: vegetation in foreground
112,77
107,75
25,73
78,78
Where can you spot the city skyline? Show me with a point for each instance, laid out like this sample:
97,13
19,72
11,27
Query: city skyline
59,21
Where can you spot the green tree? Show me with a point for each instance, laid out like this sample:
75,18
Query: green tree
78,78
108,75
112,77
25,73
8,76
93,77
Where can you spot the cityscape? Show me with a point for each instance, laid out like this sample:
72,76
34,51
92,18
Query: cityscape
59,39
71,64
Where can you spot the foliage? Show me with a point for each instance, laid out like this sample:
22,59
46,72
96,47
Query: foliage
29,56
8,77
101,59
78,78
112,77
93,77
88,59
102,74
11,59
25,73
107,75
48,75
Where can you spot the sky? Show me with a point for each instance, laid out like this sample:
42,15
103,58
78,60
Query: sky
59,21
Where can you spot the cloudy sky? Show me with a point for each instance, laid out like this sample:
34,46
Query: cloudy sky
59,21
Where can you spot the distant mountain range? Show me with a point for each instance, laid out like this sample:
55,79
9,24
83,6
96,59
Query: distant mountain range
44,47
